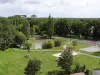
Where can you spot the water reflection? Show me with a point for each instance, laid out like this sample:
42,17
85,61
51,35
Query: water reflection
38,44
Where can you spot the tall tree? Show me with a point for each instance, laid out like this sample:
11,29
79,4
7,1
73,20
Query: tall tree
50,27
26,28
7,33
65,60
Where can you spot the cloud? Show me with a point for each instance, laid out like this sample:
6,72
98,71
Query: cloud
57,8
7,1
33,2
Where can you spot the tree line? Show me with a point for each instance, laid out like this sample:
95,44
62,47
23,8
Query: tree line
15,30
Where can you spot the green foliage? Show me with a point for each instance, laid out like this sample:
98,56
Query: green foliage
26,28
7,33
33,67
20,38
74,43
65,60
62,27
20,26
28,45
55,72
79,68
48,44
57,42
50,27
33,30
88,28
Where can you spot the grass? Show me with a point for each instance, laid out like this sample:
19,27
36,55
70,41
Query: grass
96,53
13,62
90,62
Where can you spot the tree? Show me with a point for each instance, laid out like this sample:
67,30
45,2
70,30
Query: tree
65,60
33,67
33,31
26,28
20,38
24,16
62,27
7,33
77,27
50,27
20,26
33,16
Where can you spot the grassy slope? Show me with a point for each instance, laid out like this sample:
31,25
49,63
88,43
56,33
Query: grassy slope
90,62
13,62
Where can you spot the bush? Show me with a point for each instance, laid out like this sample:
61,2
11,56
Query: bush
79,68
48,44
57,43
55,72
74,43
32,67
19,38
28,45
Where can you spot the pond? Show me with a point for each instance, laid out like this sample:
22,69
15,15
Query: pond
38,44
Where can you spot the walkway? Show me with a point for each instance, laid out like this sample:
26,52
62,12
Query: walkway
90,55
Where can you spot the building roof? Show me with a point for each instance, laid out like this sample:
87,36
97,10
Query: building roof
78,74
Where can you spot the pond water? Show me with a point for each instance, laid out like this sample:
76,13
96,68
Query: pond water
38,44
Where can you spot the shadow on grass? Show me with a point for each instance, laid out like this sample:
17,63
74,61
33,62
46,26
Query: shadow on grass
96,53
55,72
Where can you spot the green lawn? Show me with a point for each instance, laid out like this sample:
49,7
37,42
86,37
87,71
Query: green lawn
90,62
14,62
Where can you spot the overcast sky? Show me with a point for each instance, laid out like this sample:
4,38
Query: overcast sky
57,8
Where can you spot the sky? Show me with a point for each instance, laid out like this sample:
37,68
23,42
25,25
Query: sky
57,8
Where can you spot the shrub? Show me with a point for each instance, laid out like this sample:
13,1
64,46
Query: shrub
20,38
32,67
79,68
74,43
55,72
57,42
28,45
65,60
48,44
